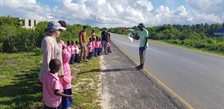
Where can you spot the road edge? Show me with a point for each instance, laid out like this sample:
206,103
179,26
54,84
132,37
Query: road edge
179,102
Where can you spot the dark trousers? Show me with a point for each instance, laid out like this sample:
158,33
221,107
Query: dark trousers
96,51
77,58
100,51
90,54
72,60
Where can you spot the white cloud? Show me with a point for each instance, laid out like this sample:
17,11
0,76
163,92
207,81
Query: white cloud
114,13
207,6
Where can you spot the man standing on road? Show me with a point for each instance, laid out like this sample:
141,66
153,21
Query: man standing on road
105,39
82,42
143,36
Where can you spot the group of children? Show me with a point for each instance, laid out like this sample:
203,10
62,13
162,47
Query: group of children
95,47
53,86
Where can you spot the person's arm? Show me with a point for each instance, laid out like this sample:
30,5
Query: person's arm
80,38
109,37
59,93
136,37
146,38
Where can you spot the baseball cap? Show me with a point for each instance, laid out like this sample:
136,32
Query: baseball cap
141,25
54,25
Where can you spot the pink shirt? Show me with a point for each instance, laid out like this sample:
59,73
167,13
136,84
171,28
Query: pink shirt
90,46
108,44
72,49
69,49
97,45
51,83
100,46
76,49
94,44
66,81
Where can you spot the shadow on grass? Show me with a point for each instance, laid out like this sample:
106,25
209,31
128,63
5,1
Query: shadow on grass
109,70
23,92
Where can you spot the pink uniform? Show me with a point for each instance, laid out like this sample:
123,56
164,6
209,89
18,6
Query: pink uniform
66,81
108,44
93,44
76,49
72,49
69,49
50,83
90,46
97,45
100,46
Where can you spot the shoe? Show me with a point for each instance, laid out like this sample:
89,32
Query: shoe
85,60
138,66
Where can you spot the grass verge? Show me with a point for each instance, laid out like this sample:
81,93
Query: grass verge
19,88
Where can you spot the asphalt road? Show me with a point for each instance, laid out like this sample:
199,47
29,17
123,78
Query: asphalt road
196,77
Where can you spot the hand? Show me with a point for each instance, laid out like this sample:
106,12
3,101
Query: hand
71,96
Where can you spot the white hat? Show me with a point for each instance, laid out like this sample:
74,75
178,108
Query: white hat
54,25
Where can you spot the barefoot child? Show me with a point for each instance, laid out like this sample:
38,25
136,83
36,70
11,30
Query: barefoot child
51,86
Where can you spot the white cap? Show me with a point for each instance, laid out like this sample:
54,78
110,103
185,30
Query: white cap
54,25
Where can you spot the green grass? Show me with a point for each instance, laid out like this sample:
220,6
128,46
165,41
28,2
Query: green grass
19,88
86,84
190,48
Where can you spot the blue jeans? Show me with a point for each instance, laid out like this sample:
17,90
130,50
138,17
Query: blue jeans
142,51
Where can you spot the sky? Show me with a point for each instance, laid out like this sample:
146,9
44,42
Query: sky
117,13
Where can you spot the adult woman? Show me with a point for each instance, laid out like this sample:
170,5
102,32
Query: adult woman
50,48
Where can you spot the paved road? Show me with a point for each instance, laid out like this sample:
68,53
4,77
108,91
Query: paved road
196,77
123,87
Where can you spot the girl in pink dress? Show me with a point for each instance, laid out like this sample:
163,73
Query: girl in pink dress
90,48
66,80
77,57
72,46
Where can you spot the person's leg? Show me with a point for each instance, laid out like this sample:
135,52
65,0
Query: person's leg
84,54
105,46
81,53
142,51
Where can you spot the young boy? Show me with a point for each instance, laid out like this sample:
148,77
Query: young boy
51,86
77,57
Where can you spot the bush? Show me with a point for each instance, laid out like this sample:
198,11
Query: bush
37,51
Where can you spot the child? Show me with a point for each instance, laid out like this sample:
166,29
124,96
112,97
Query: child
66,80
77,58
60,43
97,45
72,60
68,47
51,86
109,48
93,46
100,47
90,48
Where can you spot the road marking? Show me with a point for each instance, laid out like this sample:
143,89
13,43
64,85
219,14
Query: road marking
160,83
186,60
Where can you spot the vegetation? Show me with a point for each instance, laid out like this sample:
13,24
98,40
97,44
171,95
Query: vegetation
15,38
200,36
20,63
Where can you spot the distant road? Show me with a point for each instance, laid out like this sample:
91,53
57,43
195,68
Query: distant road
196,77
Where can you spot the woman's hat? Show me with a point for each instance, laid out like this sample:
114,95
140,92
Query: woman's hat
54,25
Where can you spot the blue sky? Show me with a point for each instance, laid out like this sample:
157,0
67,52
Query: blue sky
113,13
